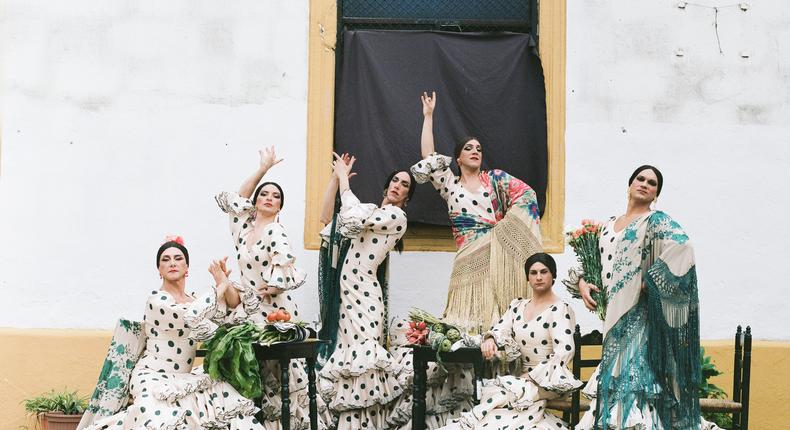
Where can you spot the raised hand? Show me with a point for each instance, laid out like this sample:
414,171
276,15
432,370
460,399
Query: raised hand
224,265
219,275
428,103
341,166
268,158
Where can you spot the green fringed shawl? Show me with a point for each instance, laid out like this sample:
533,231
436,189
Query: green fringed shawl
651,353
330,266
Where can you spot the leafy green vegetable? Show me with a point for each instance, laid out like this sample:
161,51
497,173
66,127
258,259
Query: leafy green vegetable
230,355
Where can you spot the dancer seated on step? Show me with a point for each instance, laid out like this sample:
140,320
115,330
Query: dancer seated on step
539,331
163,389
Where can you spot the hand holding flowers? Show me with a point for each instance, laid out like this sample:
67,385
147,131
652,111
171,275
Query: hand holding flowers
587,285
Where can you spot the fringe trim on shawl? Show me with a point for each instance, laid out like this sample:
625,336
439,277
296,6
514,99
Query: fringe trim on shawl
489,273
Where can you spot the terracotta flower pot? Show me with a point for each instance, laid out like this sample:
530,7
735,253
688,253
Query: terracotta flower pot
57,421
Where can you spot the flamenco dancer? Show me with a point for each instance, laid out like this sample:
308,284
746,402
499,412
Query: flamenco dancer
539,332
268,275
359,378
163,389
495,223
646,381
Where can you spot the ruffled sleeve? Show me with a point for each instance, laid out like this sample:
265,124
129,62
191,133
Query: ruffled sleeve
355,217
282,272
502,332
352,215
240,210
203,315
435,168
553,374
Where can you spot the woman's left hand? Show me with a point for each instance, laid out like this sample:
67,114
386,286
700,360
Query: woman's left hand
217,270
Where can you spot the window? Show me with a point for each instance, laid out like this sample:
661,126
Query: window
321,88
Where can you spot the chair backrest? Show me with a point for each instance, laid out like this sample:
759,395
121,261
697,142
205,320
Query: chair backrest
594,338
741,376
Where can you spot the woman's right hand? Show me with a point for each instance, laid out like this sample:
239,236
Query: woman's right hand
585,290
428,103
489,348
341,166
268,158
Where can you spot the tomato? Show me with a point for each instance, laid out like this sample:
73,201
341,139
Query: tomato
421,325
286,316
271,317
412,324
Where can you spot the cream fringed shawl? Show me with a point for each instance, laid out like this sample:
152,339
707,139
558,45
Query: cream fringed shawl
488,272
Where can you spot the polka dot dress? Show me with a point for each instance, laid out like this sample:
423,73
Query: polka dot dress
545,343
269,261
360,377
165,392
474,206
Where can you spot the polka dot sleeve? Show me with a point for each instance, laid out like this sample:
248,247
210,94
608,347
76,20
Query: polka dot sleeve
502,331
282,273
352,215
435,168
239,209
202,314
553,374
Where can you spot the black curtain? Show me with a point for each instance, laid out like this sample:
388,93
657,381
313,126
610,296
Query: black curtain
488,85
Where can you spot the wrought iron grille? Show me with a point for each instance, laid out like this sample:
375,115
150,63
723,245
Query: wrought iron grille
446,15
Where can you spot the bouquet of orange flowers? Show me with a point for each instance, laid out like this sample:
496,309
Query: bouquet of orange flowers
584,241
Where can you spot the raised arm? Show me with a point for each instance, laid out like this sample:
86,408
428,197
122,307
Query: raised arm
268,159
328,204
426,139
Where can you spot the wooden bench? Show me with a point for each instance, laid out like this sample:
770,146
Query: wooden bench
738,406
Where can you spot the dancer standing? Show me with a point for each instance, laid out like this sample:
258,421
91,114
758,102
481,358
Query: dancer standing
495,222
268,274
646,381
360,377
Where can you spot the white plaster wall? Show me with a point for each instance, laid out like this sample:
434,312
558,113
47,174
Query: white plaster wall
121,119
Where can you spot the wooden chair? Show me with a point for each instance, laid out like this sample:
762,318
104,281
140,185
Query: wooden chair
578,404
738,406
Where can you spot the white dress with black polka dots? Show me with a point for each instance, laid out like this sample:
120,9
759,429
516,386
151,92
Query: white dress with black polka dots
546,346
166,392
269,261
360,378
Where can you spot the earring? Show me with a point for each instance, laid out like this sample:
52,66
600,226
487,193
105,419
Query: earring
160,276
186,275
384,193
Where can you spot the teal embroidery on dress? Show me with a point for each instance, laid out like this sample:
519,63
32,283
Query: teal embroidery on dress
663,367
112,389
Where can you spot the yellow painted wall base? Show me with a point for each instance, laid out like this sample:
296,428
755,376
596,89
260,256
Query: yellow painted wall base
35,361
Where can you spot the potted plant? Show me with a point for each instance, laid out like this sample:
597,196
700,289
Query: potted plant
57,410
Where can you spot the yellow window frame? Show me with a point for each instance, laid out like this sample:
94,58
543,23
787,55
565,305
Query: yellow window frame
320,126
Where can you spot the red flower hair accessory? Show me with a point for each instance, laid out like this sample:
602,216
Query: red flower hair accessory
175,238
